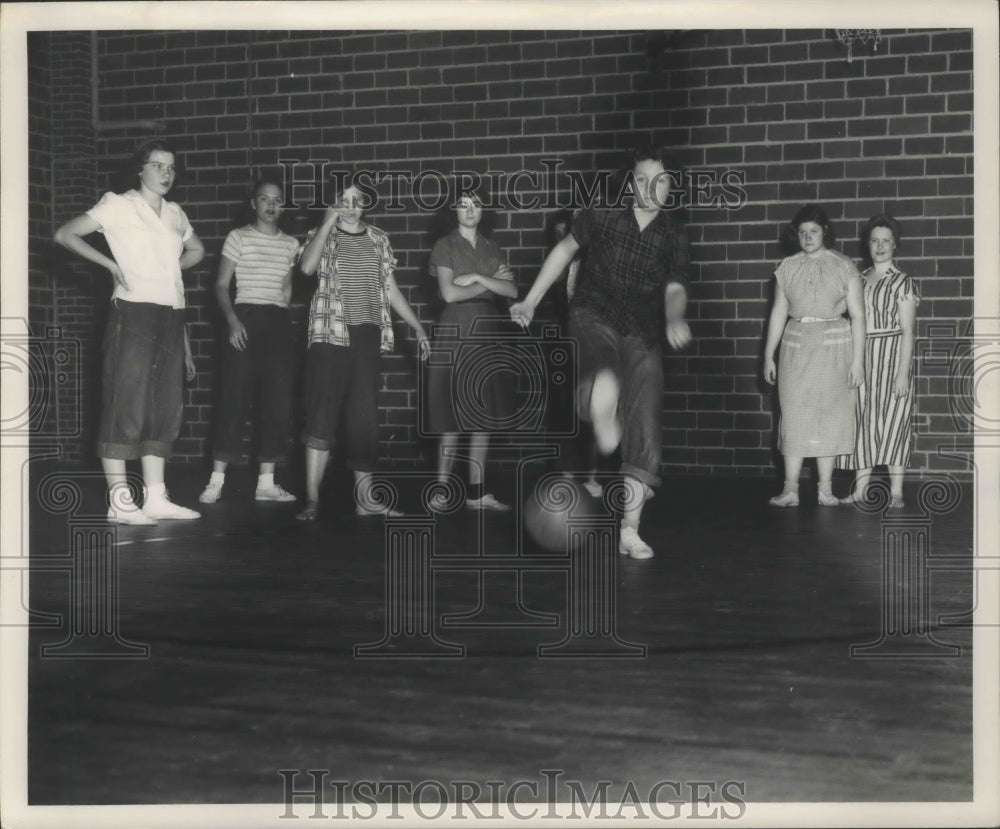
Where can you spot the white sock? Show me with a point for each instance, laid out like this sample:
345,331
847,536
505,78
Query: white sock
218,478
121,494
792,486
265,480
156,491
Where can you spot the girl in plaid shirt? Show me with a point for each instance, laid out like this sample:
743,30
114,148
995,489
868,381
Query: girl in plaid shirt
349,328
635,266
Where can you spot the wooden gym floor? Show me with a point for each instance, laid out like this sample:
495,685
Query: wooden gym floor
744,621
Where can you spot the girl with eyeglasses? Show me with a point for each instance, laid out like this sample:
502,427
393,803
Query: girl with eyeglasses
145,344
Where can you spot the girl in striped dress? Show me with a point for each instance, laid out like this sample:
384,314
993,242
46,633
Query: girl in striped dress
821,360
885,402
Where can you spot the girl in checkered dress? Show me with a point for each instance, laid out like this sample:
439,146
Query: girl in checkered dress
821,363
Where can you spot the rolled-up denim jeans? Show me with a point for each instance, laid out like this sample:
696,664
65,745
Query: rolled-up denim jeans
344,380
639,369
142,398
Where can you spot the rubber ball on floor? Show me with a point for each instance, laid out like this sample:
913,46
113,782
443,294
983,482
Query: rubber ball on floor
555,503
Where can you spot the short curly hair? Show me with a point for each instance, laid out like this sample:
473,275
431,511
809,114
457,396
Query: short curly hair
809,213
660,154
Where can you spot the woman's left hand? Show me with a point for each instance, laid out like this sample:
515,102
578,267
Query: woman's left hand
901,386
189,369
465,280
678,334
423,346
855,375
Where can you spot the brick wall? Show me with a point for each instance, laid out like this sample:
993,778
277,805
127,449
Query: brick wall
40,301
783,110
61,169
81,290
890,132
41,292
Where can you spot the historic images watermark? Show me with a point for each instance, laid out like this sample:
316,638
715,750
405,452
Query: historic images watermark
906,629
315,183
536,369
963,361
92,626
584,616
46,368
540,370
550,797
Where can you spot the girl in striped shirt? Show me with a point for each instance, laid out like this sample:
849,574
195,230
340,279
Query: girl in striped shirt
257,366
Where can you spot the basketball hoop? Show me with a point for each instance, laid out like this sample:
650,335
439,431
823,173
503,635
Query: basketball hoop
848,37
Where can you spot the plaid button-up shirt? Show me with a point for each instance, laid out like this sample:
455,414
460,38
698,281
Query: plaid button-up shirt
626,270
326,312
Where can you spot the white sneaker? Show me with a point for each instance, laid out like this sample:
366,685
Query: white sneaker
594,488
604,411
211,493
486,503
274,493
123,509
629,544
786,499
160,506
827,499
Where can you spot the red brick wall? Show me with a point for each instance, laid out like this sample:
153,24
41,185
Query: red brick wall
783,110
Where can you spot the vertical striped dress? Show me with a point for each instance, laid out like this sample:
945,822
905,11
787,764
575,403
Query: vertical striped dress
885,425
817,402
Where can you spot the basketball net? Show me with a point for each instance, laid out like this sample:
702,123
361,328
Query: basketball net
849,37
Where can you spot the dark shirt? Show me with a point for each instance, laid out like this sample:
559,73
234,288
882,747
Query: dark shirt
626,270
456,253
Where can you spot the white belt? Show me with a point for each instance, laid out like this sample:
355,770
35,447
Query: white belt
816,319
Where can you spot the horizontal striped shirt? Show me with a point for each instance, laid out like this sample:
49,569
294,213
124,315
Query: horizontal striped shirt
263,263
360,279
327,323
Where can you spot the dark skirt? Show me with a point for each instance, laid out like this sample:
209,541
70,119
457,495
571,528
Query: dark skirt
471,382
